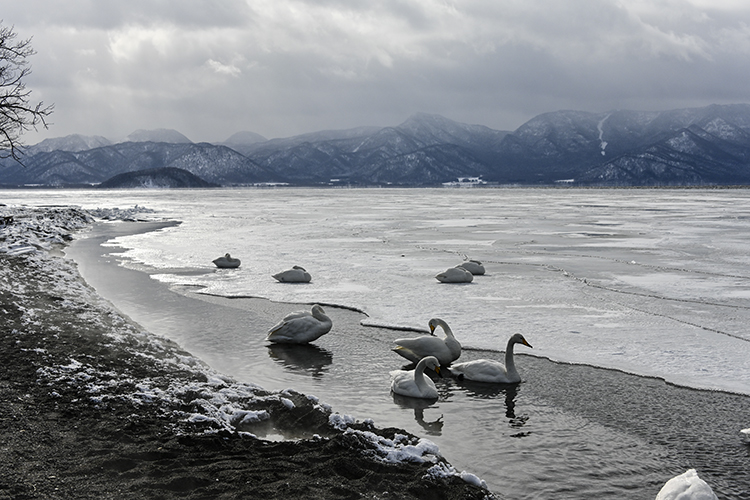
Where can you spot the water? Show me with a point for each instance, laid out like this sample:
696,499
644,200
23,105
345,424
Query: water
653,282
650,282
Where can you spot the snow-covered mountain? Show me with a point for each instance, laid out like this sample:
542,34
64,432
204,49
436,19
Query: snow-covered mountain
158,135
696,146
244,138
74,142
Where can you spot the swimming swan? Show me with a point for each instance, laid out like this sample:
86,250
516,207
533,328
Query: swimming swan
473,266
413,383
227,262
446,350
489,370
301,327
455,275
296,274
686,486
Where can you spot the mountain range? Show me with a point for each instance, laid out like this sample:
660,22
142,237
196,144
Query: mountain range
684,147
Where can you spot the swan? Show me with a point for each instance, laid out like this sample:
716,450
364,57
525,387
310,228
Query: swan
296,274
455,275
413,383
686,486
746,434
301,327
227,262
473,266
446,350
489,370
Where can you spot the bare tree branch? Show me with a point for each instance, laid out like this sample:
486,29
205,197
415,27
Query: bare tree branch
17,114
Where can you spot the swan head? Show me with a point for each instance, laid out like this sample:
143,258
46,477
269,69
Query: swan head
434,323
432,363
518,339
300,268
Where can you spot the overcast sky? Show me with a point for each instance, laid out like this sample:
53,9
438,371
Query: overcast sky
285,67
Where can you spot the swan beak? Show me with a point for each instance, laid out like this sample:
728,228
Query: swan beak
437,370
527,344
432,330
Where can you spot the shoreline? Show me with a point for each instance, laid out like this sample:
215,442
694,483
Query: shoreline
94,407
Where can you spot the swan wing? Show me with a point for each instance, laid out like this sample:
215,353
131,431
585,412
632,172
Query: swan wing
473,266
297,275
417,348
299,327
686,485
455,275
403,383
484,370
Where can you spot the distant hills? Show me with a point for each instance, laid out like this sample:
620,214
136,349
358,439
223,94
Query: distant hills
156,178
685,147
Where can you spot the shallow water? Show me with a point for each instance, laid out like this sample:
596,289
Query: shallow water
567,431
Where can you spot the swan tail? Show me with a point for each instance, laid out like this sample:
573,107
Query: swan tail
406,353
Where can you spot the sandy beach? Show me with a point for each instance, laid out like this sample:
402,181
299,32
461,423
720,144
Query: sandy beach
94,407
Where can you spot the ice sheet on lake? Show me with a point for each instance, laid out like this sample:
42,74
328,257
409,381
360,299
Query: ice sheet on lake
653,282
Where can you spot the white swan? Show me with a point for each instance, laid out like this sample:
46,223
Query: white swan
301,327
296,274
686,486
455,275
413,383
489,370
473,266
746,434
446,350
227,262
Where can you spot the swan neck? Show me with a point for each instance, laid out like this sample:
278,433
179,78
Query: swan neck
510,365
419,374
447,329
319,315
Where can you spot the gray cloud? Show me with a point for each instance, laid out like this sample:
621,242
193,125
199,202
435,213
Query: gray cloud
283,67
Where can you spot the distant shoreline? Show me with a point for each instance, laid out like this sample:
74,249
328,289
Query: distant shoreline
385,186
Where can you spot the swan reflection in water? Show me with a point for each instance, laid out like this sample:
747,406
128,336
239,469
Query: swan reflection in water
419,405
307,358
481,390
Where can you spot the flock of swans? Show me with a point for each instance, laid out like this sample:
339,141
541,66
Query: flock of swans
429,352
426,351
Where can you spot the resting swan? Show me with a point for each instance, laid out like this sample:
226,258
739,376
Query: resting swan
413,383
301,327
446,350
227,262
686,486
455,275
297,274
473,266
489,370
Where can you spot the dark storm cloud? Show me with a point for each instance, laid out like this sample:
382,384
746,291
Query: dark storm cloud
282,67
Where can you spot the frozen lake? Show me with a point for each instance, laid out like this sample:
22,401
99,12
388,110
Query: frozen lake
651,282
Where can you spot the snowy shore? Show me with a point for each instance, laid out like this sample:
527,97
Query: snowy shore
95,407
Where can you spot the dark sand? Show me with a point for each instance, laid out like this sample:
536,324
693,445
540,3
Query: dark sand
59,443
